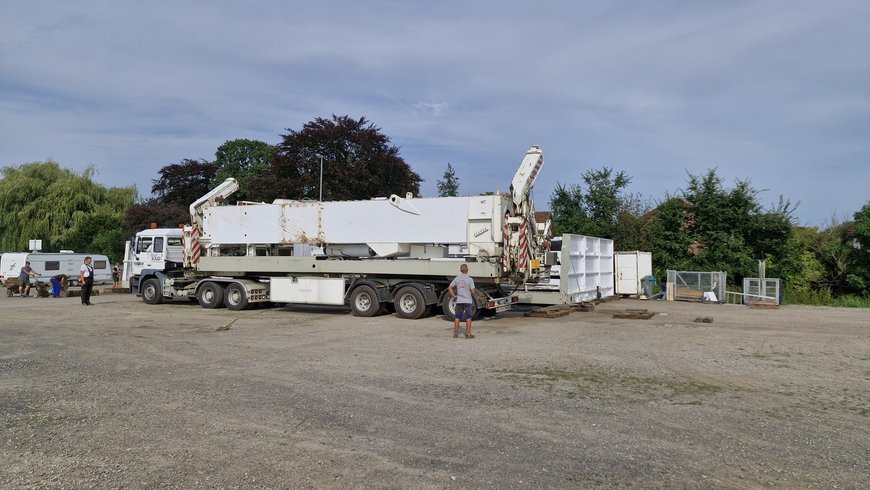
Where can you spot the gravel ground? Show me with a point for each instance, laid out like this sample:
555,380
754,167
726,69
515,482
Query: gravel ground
123,394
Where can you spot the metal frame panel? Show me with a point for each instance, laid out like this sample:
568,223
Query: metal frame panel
696,281
585,271
277,265
764,290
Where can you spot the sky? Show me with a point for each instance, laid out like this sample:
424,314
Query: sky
776,92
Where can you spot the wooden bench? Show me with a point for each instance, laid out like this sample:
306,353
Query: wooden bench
688,294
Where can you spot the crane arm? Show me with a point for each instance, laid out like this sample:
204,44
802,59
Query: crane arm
525,177
224,190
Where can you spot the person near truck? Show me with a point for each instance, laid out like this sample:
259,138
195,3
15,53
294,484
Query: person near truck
462,288
86,279
57,284
24,279
116,275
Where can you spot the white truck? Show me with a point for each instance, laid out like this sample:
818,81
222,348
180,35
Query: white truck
385,253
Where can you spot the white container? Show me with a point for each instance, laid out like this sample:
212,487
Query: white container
631,268
584,273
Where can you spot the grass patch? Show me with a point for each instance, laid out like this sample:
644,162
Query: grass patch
851,301
605,381
824,297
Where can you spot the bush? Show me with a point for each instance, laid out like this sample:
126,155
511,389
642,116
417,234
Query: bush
851,301
816,297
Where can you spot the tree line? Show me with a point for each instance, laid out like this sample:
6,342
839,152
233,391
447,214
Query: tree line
706,227
711,227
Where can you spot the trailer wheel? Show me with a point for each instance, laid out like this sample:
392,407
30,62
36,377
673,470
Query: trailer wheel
448,307
364,302
152,292
210,295
235,297
409,303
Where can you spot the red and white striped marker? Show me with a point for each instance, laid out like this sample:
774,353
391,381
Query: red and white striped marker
195,248
523,246
506,236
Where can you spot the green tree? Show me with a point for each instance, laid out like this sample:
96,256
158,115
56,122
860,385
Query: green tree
243,160
184,182
448,185
65,209
602,210
163,214
858,277
358,163
669,236
178,185
810,275
711,228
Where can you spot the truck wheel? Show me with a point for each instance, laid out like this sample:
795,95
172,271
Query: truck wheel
448,307
364,302
210,295
152,293
409,303
235,297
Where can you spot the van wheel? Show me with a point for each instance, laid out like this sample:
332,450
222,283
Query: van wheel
152,293
409,303
210,295
235,297
364,302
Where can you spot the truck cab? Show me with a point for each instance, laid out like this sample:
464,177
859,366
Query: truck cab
156,249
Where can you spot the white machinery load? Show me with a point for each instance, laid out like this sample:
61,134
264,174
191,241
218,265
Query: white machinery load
385,227
399,251
583,272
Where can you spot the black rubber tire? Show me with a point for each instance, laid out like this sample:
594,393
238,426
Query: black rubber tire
152,293
236,297
210,295
409,303
364,302
448,307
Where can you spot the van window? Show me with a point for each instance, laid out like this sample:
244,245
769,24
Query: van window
158,244
174,241
99,264
52,265
144,244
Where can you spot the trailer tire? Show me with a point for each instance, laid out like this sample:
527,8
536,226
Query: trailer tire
409,303
448,307
364,302
210,295
235,297
152,292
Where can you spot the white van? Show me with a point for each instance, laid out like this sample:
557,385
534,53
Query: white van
52,264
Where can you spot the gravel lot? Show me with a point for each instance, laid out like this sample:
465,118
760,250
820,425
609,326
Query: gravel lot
123,394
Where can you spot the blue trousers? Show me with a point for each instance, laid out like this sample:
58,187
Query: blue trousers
55,288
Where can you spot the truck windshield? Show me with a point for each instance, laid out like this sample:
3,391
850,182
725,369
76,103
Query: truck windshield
144,244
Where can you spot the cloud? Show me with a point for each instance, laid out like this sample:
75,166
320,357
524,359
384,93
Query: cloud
772,91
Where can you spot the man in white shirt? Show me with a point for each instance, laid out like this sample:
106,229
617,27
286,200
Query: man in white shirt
86,279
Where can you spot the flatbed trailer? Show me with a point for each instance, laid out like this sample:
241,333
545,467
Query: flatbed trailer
395,253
